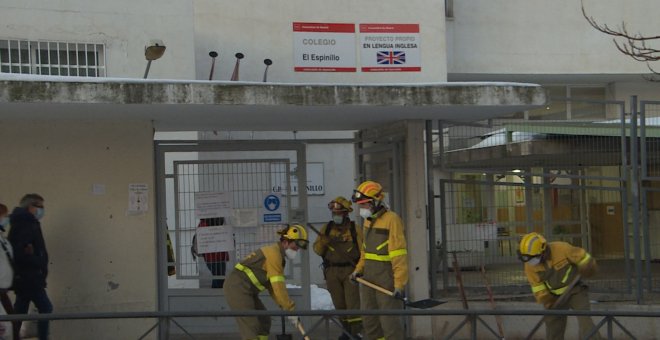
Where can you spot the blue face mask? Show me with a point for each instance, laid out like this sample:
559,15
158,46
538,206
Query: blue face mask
40,213
4,222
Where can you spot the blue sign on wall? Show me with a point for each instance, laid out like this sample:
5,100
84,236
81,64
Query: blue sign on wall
272,202
272,205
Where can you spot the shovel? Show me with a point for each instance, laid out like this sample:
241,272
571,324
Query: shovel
284,336
421,304
302,330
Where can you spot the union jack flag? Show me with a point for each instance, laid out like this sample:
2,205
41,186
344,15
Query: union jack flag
391,57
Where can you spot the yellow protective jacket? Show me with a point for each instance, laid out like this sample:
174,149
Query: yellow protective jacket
551,278
384,259
340,249
265,269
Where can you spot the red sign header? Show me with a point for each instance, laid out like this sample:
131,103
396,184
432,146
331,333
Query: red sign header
389,28
323,27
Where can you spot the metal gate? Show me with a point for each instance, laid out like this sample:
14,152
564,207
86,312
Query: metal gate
573,181
248,190
379,154
650,191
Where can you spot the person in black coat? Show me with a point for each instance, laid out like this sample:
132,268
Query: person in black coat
30,259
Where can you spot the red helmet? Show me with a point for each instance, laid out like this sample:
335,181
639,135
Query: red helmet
368,191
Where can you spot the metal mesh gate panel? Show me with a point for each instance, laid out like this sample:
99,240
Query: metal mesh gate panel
246,183
562,178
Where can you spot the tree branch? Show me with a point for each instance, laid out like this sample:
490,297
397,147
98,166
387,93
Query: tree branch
634,45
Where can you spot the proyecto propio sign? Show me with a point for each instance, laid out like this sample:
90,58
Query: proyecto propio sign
390,48
324,47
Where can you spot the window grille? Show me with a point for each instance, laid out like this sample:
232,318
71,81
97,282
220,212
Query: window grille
52,58
449,9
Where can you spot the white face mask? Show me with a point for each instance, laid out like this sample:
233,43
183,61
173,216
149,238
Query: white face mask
365,213
534,261
291,254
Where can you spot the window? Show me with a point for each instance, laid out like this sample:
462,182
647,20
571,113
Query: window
52,58
449,9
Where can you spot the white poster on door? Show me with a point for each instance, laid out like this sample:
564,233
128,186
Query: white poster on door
214,239
212,204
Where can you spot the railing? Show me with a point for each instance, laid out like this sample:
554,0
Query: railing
610,318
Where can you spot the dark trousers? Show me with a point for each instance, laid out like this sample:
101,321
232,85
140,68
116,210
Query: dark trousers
41,301
345,295
555,325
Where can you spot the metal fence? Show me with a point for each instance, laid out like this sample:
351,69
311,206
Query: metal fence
593,183
448,323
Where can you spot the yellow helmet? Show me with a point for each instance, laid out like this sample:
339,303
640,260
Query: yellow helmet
340,204
531,245
368,191
296,233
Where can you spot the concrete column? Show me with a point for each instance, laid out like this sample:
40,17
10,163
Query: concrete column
416,224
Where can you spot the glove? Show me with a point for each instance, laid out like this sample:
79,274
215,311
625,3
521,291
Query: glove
354,276
294,320
547,300
399,293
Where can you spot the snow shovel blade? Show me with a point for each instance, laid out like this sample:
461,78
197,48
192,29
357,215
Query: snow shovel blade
424,304
421,304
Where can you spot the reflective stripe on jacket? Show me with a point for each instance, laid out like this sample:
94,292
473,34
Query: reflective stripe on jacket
560,268
264,268
384,259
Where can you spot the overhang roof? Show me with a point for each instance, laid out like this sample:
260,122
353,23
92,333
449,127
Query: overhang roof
548,144
175,105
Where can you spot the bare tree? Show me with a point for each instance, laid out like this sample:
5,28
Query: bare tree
634,45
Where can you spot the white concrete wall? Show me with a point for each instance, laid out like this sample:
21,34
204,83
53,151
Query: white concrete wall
124,26
101,258
538,36
264,30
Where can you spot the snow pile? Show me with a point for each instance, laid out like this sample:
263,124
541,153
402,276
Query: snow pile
320,297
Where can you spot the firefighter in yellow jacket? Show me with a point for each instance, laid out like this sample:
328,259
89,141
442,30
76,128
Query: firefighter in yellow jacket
261,270
550,268
383,261
339,245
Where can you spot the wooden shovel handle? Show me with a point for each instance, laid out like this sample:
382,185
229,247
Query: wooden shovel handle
302,330
562,298
374,286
